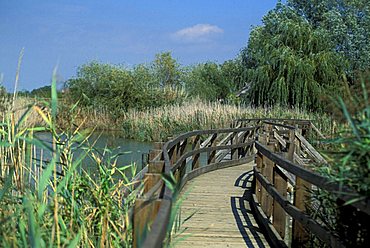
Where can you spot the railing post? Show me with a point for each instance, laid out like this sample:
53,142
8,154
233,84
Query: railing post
212,155
154,153
182,149
300,235
158,145
235,151
279,215
145,212
195,158
259,163
291,145
172,154
267,172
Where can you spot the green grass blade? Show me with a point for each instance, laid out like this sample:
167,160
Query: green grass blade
33,228
7,185
75,241
23,118
349,118
22,230
54,96
44,180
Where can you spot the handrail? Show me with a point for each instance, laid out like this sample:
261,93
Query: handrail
238,142
155,237
271,179
320,181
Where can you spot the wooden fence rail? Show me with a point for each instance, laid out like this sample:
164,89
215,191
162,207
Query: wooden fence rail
185,157
282,157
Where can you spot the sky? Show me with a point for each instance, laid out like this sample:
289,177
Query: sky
67,34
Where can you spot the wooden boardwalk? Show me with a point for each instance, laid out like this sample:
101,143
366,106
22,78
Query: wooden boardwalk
219,211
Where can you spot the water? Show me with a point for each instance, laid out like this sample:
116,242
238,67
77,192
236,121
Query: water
130,151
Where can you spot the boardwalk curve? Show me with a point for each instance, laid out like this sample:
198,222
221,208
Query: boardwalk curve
210,164
217,205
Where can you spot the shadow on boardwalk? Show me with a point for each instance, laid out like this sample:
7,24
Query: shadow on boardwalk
220,215
243,214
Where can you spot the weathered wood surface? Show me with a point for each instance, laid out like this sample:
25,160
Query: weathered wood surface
219,211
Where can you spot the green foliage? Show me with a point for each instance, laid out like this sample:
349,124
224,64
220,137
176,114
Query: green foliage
4,99
290,63
206,82
350,160
42,92
56,203
348,164
117,89
211,81
167,71
346,22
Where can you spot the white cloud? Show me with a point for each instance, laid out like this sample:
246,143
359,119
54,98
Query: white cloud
197,33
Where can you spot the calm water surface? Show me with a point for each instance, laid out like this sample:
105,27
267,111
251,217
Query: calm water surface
130,151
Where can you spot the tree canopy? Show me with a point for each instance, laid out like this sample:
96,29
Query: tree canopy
347,23
291,63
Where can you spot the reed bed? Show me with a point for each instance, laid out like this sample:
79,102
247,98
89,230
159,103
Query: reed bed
46,198
158,124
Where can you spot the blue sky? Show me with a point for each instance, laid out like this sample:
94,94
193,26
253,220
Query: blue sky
71,33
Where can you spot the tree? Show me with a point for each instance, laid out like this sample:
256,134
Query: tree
233,72
290,62
117,89
43,92
167,70
207,82
347,23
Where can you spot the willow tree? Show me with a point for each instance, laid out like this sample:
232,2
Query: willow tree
291,63
347,23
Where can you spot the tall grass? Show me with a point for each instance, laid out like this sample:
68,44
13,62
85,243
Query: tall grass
53,202
158,123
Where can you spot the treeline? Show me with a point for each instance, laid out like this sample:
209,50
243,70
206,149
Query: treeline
164,81
302,56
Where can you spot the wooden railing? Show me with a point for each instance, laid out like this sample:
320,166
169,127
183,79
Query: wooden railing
283,161
185,157
282,156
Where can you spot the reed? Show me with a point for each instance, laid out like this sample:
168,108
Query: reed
157,124
46,198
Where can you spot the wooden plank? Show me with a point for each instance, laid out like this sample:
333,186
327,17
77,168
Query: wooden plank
268,173
156,167
310,149
216,212
291,145
259,163
280,139
323,233
301,197
265,222
235,152
279,215
145,212
317,131
212,155
150,179
196,145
